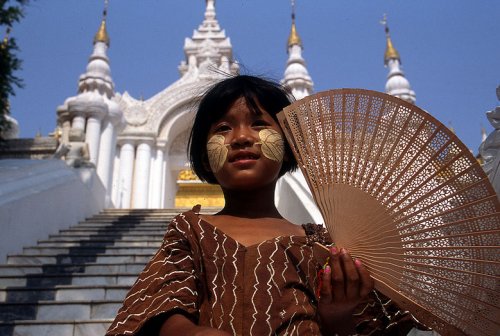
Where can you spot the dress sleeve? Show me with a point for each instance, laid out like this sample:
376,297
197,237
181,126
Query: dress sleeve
167,284
378,315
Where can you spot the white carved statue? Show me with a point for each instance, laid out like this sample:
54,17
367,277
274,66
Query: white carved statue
490,148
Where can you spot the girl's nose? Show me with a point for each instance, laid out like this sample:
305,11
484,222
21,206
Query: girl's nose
242,138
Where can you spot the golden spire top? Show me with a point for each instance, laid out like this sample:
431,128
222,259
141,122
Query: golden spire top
390,51
294,38
102,34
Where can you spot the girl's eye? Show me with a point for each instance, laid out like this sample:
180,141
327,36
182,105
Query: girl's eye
260,123
221,128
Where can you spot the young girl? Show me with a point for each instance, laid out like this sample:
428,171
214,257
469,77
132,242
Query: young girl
246,270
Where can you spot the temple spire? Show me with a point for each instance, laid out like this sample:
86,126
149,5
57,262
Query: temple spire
294,38
397,84
390,51
208,52
102,34
210,10
296,76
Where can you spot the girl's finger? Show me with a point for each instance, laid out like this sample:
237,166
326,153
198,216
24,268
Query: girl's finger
366,281
325,291
337,276
351,276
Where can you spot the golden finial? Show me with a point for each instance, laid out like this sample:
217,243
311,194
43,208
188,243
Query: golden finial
294,38
390,51
102,34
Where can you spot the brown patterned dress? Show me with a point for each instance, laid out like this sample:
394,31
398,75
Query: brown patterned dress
199,271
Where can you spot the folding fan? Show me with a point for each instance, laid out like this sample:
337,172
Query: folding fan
401,192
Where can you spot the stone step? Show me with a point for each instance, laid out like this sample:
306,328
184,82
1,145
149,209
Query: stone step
124,225
115,237
60,310
101,242
100,258
44,280
114,228
111,229
113,250
22,270
95,327
156,211
127,220
73,282
64,293
149,211
90,231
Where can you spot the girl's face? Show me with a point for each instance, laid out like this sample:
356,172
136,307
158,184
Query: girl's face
245,149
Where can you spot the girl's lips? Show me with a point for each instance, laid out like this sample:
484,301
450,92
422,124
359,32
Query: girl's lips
244,156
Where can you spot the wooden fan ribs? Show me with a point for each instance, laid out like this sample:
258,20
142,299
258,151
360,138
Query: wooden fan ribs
360,145
430,175
396,135
376,147
400,191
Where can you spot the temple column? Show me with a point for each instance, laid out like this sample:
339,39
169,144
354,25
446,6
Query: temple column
65,127
164,172
106,157
115,179
124,190
170,186
141,175
93,137
157,179
64,122
78,122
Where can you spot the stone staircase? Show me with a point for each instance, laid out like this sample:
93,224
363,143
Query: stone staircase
73,283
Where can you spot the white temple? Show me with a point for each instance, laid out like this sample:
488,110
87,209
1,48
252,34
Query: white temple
139,146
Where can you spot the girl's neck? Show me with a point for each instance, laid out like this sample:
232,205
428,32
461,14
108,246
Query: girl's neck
250,203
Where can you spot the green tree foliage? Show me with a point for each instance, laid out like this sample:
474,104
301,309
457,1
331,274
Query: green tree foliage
11,11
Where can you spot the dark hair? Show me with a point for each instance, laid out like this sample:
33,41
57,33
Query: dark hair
269,95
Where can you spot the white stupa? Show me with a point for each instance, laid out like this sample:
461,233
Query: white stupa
397,84
91,120
296,76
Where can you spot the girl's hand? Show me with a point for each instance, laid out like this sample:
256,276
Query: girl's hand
345,283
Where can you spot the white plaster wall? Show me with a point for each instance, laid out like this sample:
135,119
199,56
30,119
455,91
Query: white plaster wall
295,201
40,197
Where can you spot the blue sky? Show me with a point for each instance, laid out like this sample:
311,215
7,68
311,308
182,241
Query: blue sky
450,49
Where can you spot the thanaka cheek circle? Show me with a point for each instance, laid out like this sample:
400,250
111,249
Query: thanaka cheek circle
217,152
272,144
271,141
